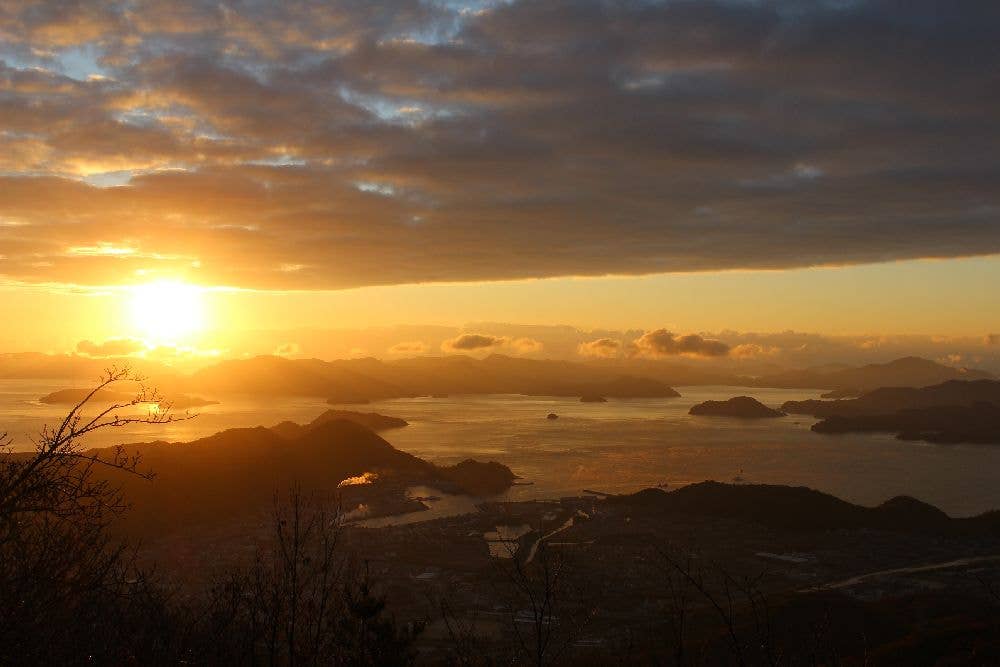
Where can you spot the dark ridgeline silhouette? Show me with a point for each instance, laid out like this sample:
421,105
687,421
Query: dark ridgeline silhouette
743,407
847,382
946,424
889,399
234,473
370,420
364,380
951,412
801,508
359,381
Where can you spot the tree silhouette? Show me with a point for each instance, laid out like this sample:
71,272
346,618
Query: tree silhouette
63,580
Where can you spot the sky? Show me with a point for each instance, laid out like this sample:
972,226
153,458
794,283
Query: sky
699,167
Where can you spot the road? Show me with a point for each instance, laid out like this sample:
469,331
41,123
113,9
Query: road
857,579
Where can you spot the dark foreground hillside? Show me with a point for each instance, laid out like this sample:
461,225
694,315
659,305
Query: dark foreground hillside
249,555
219,479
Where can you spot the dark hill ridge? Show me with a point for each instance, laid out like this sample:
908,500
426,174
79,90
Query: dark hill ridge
800,508
277,376
904,372
888,400
362,380
743,407
947,424
236,473
950,412
370,420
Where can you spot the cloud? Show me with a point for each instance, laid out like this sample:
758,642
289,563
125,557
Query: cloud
113,347
471,342
582,137
287,350
753,351
172,353
525,345
663,343
416,347
604,348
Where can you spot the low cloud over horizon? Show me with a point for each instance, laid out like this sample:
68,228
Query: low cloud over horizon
476,342
748,351
252,144
113,347
663,343
602,348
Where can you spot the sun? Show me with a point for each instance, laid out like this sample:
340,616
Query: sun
167,311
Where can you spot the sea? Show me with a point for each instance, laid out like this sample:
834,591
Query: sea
620,446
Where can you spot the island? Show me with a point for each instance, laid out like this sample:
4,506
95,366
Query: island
476,478
743,407
74,396
370,420
955,411
889,400
356,381
592,398
973,424
552,415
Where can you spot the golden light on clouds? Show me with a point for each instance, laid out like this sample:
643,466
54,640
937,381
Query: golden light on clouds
166,311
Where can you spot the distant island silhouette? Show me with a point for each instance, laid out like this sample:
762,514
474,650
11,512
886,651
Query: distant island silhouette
849,381
974,424
363,380
74,396
744,407
890,399
370,420
951,412
359,381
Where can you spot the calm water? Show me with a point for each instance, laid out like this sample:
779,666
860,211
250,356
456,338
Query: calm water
619,446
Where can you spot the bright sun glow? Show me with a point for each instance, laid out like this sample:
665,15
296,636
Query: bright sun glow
166,311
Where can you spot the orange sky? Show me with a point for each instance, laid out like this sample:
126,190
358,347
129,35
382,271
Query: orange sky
935,298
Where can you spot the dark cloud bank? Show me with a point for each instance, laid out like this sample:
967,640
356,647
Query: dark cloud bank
326,145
